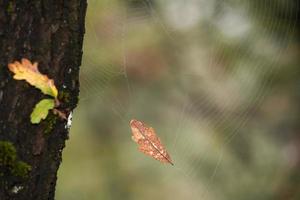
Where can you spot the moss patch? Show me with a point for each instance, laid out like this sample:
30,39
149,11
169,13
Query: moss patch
9,164
50,123
64,96
10,7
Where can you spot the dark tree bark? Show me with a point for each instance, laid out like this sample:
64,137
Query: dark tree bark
50,33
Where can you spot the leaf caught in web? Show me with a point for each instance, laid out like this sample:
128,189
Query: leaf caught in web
148,142
41,110
30,73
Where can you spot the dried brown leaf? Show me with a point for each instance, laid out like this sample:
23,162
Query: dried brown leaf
148,141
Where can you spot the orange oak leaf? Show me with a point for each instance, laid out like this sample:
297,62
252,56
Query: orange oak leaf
29,72
148,142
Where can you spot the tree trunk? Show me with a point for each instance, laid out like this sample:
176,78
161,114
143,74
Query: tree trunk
50,33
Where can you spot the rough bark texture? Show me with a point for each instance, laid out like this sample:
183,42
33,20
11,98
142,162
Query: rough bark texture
50,33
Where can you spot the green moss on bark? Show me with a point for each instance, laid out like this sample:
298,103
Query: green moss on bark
10,7
50,122
9,164
64,96
8,153
20,169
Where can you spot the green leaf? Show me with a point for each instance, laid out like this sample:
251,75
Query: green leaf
41,110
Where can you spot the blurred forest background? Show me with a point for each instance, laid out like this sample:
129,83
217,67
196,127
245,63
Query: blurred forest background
218,80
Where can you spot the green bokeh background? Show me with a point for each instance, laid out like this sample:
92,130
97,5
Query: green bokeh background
219,82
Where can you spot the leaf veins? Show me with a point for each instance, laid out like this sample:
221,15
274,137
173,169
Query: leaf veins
148,141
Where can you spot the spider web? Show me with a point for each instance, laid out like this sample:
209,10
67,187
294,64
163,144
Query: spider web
194,70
